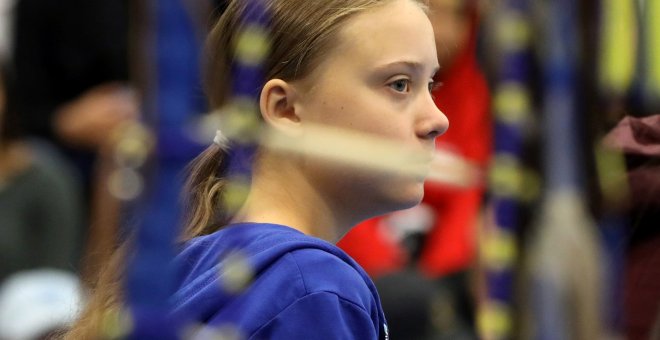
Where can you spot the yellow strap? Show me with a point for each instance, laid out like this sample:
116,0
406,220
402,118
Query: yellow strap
618,45
652,26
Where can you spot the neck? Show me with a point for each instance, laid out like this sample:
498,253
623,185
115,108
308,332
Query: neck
282,194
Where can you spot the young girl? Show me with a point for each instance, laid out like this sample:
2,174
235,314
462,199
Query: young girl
360,65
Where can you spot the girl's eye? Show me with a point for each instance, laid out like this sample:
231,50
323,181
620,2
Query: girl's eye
401,85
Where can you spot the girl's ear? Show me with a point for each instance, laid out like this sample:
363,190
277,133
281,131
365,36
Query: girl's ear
277,105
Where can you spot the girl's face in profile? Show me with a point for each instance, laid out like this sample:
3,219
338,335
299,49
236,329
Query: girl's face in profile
377,80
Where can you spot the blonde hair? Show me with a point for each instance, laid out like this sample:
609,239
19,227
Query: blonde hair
300,32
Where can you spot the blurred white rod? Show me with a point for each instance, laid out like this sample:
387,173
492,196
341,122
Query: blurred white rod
376,153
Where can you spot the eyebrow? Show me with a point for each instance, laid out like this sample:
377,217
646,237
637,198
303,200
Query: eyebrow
413,66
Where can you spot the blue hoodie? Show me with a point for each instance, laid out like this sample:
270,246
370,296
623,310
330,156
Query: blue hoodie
302,287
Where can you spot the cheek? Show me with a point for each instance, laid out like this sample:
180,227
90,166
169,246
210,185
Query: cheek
361,108
337,107
386,121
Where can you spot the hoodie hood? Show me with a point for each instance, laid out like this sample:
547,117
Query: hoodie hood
215,269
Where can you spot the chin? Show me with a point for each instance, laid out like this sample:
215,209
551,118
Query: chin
373,195
405,197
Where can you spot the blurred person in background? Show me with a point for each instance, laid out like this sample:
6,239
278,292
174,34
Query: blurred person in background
638,138
40,215
39,219
438,238
40,211
71,64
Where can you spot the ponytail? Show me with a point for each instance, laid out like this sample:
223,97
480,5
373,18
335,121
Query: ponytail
204,189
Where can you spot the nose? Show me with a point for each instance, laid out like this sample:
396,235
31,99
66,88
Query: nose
432,122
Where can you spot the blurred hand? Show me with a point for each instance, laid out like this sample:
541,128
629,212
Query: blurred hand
89,120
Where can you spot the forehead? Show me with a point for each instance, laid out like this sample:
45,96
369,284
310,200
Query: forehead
397,30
